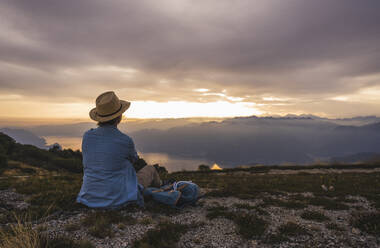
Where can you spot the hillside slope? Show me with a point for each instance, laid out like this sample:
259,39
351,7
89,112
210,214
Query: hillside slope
53,159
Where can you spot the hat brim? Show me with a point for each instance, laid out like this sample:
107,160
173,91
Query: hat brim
94,115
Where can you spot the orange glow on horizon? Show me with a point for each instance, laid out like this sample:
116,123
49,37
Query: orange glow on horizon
139,109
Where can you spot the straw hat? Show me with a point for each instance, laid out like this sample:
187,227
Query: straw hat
108,107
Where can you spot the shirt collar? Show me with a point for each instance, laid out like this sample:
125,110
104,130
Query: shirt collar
109,126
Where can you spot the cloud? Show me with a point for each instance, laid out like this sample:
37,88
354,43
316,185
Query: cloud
164,50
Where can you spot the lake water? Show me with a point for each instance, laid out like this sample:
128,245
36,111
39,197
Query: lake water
171,163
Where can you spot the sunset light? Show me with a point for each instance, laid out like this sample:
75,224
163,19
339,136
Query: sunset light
138,109
178,123
181,109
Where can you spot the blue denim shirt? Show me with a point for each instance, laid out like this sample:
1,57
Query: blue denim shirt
109,179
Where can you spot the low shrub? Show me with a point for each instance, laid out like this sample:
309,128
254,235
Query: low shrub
250,225
99,222
165,235
367,222
291,229
314,215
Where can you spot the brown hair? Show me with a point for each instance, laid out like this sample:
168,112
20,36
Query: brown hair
114,121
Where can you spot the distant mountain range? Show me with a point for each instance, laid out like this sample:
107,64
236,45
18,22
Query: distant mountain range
269,140
239,141
25,137
363,157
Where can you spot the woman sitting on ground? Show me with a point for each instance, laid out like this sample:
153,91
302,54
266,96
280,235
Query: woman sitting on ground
109,179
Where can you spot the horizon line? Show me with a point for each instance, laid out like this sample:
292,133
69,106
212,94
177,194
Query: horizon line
65,120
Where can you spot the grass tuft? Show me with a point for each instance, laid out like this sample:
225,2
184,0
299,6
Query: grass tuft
285,232
99,222
335,227
276,239
64,242
216,212
166,235
154,207
258,209
250,225
291,229
367,222
315,216
22,235
291,204
71,227
328,204
146,221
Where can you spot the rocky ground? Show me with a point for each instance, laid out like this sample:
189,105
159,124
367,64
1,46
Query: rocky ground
269,219
216,232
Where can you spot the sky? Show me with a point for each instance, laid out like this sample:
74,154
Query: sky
177,58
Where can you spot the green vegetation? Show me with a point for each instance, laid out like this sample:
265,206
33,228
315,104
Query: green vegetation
327,203
334,226
64,242
22,235
251,186
146,221
165,235
367,222
285,232
50,194
156,208
258,209
72,227
248,225
52,160
245,206
216,212
3,162
5,184
270,201
291,229
99,222
203,167
17,168
46,195
314,215
276,238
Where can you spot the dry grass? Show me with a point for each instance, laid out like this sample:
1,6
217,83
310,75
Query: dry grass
20,235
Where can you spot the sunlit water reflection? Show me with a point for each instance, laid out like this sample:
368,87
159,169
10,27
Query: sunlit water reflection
171,163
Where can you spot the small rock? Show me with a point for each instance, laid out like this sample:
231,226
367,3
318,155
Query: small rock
355,230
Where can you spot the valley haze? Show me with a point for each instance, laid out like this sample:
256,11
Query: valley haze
229,142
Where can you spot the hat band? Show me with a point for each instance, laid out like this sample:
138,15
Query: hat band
121,105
